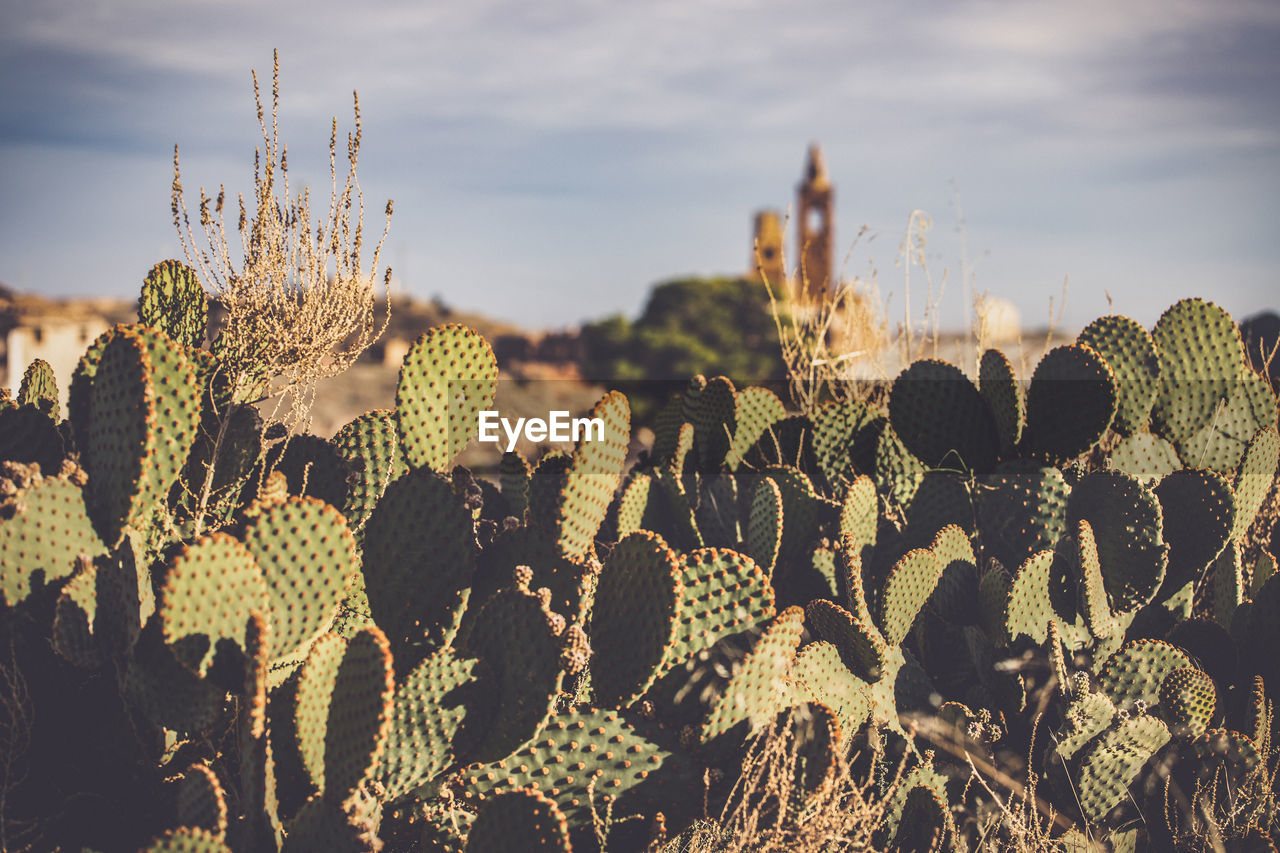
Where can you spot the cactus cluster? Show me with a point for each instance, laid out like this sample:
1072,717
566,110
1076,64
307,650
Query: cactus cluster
230,639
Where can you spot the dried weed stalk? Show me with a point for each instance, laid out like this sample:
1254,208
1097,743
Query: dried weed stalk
299,307
822,340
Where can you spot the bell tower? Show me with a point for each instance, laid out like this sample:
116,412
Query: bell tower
814,198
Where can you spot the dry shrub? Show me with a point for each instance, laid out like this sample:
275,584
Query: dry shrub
299,306
767,810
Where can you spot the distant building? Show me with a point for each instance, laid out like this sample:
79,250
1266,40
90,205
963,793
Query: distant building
57,331
815,233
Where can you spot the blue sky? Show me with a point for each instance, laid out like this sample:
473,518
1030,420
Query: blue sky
550,161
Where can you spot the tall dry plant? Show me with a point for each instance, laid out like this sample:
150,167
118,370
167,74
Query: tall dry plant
821,340
299,306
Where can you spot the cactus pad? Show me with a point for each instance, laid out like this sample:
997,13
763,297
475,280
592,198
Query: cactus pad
759,688
1070,404
1144,456
1128,527
448,376
1199,513
344,710
637,606
209,589
418,561
1201,358
173,301
1130,352
589,749
942,418
907,588
724,593
39,389
1187,701
436,714
1115,761
821,676
593,477
44,528
308,556
1257,471
519,819
859,645
999,387
1136,671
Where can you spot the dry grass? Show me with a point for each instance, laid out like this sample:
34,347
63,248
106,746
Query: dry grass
299,306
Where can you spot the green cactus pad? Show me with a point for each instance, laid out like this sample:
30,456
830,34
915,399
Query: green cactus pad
513,475
999,387
764,527
1022,510
1221,754
1219,446
1093,593
955,598
758,690
168,693
448,377
897,470
592,748
209,589
724,593
74,617
546,484
593,476
312,466
371,447
944,497
1070,404
942,418
39,389
308,556
1087,715
1187,701
844,440
755,411
712,411
343,712
1115,761
1146,457
1128,527
1201,358
1039,594
1199,513
144,405
801,509
634,620
1257,472
1130,352
520,639
907,588
438,711
519,819
187,839
925,824
79,396
201,801
1136,671
821,676
173,301
44,528
322,824
859,644
1228,585
27,435
418,561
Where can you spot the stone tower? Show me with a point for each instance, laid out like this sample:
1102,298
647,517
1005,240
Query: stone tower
814,199
766,250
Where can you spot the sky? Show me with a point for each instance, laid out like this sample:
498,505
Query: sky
551,161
